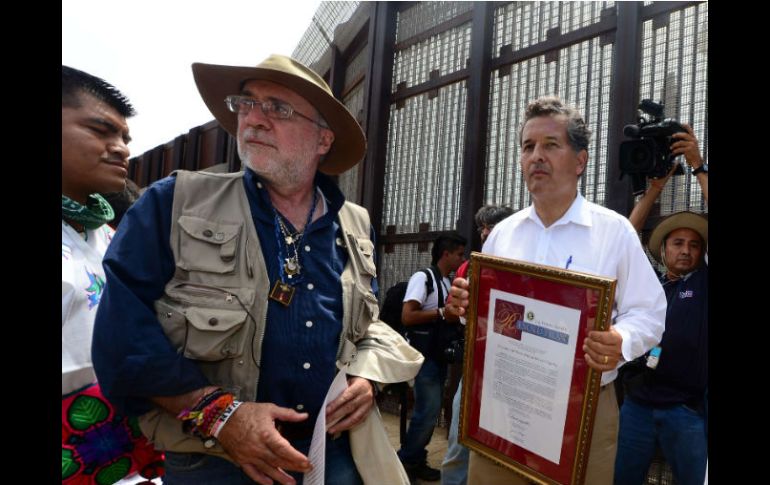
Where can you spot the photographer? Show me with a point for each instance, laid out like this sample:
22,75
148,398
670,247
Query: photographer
423,314
665,390
686,144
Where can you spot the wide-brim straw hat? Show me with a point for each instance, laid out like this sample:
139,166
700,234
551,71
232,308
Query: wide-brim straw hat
216,82
679,220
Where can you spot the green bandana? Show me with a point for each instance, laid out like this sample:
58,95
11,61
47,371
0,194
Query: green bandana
94,214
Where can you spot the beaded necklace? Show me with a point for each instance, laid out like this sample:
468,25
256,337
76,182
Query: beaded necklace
289,266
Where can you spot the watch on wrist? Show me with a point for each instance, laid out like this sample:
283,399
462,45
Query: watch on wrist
702,169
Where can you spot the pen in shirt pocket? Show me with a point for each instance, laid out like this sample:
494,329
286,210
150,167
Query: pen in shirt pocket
569,262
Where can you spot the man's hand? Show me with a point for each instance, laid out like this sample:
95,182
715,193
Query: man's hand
252,440
458,303
603,349
658,184
687,145
350,407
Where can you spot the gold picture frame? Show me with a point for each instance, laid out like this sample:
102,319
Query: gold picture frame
529,397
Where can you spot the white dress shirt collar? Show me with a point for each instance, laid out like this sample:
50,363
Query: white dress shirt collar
578,213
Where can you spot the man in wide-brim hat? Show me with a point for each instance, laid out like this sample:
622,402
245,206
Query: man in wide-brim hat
679,241
666,390
234,298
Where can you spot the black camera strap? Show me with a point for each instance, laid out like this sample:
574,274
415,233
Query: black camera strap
439,281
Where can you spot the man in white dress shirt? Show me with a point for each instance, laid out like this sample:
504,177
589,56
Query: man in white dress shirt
563,229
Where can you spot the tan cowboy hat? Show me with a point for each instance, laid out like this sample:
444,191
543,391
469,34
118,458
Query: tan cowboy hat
679,220
216,82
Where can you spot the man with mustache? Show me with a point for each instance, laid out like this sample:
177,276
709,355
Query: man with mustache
96,442
233,299
563,229
665,393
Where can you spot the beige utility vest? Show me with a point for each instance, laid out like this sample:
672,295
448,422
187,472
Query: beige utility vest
214,309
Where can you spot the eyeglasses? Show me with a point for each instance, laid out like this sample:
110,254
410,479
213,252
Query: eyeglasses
272,108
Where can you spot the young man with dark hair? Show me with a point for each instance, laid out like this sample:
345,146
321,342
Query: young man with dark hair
94,159
422,314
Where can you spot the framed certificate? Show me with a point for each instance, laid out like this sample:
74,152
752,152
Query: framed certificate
529,397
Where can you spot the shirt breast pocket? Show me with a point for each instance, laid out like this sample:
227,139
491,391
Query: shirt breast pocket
207,245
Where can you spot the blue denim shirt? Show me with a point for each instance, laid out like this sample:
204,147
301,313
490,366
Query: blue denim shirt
133,358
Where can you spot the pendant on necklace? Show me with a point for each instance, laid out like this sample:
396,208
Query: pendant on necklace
282,293
289,239
291,266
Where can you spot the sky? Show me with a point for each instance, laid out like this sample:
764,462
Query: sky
145,49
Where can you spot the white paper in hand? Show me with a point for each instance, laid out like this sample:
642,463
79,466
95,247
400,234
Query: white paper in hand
317,454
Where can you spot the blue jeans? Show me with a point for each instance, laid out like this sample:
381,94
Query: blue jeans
197,468
428,387
680,433
454,469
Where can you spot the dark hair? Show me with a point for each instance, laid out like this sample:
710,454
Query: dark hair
74,82
489,215
577,131
448,242
121,201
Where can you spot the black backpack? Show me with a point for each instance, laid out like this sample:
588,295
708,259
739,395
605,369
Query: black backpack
394,301
390,313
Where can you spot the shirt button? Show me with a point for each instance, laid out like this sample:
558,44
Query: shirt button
306,365
308,324
208,233
259,185
310,286
240,362
339,241
307,248
300,407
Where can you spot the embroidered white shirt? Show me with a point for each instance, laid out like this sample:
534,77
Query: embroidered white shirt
82,283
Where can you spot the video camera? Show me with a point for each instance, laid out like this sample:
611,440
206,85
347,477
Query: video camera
649,153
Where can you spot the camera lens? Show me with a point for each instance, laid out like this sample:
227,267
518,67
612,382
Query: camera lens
637,156
640,155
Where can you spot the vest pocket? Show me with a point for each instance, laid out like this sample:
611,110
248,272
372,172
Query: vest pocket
364,253
207,245
365,311
208,334
214,334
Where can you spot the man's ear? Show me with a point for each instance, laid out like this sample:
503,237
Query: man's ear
582,157
325,141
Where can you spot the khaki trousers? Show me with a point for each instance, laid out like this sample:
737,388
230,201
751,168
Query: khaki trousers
601,456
